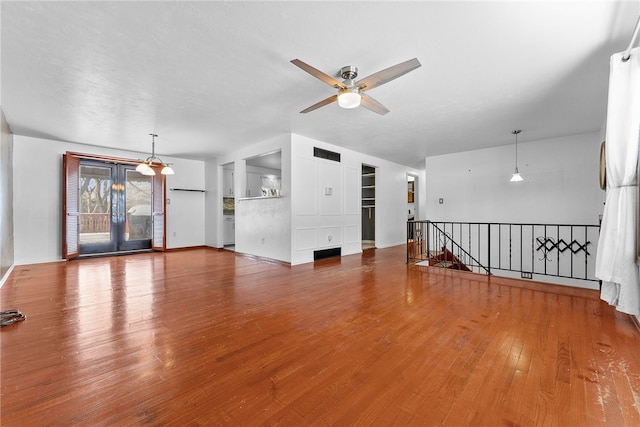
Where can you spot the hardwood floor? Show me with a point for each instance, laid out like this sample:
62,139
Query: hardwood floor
207,337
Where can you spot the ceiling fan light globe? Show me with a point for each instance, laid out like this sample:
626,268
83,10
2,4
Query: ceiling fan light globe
167,170
349,100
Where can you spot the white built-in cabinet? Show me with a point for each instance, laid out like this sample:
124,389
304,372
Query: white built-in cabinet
227,182
229,230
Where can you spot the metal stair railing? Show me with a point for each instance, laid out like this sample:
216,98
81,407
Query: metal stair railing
462,255
559,250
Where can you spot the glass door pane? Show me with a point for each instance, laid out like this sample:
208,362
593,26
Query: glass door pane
134,225
137,206
95,204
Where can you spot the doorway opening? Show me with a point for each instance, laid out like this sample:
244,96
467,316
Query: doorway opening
368,207
412,192
228,207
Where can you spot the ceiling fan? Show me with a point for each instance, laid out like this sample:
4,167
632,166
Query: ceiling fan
351,93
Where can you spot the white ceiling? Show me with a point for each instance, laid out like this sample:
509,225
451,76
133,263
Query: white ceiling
210,77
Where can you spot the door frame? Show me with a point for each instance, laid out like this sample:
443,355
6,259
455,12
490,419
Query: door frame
71,202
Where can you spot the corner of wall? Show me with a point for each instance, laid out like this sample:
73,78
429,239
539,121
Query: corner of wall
211,202
7,246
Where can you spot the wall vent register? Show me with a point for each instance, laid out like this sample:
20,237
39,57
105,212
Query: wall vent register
326,154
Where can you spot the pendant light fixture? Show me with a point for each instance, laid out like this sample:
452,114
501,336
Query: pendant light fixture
516,177
145,167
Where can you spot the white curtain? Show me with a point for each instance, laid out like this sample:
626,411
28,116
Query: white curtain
615,261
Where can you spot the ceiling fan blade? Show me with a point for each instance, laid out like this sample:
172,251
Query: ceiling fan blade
318,74
388,74
371,104
329,100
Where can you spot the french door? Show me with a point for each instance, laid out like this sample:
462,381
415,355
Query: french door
109,207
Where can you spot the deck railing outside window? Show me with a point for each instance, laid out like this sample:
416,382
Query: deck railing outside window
95,222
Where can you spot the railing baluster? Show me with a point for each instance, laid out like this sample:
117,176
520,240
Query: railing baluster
499,246
586,261
469,237
478,234
408,241
558,257
521,247
533,238
428,240
510,252
571,257
488,247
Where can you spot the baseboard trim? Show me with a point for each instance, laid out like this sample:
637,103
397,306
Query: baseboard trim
264,259
186,248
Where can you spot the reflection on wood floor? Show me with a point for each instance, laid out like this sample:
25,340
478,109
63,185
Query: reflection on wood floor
204,336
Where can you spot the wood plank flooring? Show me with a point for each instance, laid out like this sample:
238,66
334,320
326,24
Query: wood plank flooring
208,337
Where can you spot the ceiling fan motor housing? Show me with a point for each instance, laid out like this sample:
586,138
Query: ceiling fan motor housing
349,72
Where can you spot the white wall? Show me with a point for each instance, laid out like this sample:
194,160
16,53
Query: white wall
38,198
263,226
560,183
317,217
6,200
212,202
186,211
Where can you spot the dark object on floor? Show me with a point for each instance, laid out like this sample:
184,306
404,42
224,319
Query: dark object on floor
9,317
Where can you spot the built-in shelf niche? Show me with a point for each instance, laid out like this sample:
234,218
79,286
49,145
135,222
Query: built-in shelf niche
368,202
368,186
